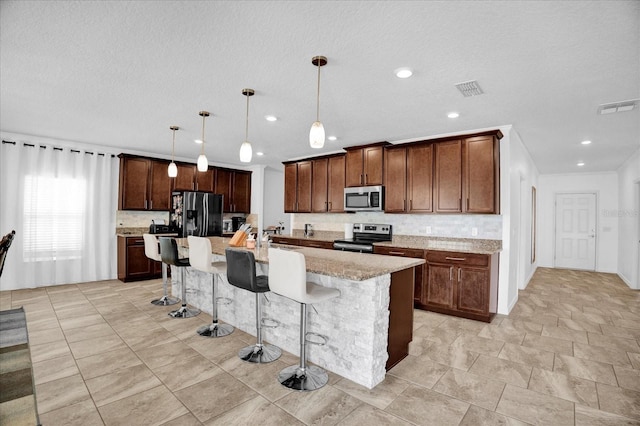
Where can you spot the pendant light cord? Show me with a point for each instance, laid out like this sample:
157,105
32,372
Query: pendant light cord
203,118
318,97
246,132
173,145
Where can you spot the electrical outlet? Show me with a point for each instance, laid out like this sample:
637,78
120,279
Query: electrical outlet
428,230
474,232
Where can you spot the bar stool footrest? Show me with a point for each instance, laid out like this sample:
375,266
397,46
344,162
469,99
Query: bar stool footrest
309,379
269,323
260,354
322,342
223,301
215,330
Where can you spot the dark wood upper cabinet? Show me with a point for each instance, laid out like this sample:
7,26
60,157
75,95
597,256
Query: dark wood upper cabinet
159,186
448,177
364,165
304,187
134,183
481,166
297,187
395,179
420,178
459,174
335,183
235,186
319,185
186,179
241,192
144,184
408,179
205,181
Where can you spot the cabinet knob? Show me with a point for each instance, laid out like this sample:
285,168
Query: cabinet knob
459,272
451,273
457,259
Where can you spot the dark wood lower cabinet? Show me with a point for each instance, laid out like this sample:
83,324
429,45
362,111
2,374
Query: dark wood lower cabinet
133,264
461,284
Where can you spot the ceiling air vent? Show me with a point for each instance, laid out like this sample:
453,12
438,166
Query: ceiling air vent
469,88
614,107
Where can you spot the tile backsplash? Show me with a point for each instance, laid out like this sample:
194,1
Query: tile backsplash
454,226
138,219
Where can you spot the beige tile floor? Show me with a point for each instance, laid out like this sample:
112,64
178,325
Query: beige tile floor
567,354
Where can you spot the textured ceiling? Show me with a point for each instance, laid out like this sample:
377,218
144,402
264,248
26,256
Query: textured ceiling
119,73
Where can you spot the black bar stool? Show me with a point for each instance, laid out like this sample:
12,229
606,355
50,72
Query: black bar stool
288,278
241,273
169,255
202,259
152,252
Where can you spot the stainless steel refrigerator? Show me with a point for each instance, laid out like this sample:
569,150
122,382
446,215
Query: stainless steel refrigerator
196,213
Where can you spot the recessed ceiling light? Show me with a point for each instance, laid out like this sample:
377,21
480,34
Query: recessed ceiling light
332,138
198,141
403,72
585,142
453,115
271,118
259,153
580,164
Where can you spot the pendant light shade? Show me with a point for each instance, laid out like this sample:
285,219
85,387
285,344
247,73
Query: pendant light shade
316,134
203,163
173,169
246,152
245,149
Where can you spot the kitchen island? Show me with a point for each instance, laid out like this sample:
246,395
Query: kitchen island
368,328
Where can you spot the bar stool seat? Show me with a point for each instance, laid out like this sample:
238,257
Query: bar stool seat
288,278
201,257
169,254
241,273
152,252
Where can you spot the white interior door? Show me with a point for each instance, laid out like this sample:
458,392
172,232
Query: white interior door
576,231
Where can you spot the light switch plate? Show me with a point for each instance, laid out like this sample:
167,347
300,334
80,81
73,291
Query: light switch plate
474,232
428,230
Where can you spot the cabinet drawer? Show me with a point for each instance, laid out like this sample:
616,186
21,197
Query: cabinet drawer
134,241
316,244
399,251
467,259
285,240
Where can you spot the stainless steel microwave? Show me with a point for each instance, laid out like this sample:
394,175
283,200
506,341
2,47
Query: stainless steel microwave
364,199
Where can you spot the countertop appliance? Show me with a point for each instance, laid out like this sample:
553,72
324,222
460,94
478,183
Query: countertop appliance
159,228
237,222
196,213
364,198
364,235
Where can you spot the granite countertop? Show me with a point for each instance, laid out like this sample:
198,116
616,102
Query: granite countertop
461,245
137,232
347,265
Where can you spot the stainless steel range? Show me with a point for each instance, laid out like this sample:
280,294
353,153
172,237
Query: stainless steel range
364,235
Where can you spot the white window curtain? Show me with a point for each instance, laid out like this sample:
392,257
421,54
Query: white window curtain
62,204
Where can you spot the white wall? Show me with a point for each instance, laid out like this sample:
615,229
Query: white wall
523,176
605,186
628,214
274,198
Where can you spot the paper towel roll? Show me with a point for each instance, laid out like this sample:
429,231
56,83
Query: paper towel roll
348,230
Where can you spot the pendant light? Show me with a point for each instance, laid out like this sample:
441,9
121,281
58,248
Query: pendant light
203,164
173,169
316,134
245,148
